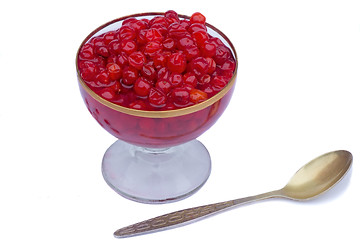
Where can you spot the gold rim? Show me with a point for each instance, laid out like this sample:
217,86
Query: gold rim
158,114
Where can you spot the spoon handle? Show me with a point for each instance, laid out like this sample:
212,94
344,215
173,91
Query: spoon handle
186,216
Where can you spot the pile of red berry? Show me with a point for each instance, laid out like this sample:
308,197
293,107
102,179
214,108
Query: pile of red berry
160,64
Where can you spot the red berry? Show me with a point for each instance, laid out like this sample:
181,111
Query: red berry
197,18
197,96
142,87
87,52
153,34
176,80
122,59
103,79
138,104
114,71
204,80
195,27
130,74
176,30
158,19
218,83
164,86
169,44
212,65
162,28
157,98
152,48
200,37
126,33
190,78
228,65
199,66
109,36
208,49
185,43
128,47
177,63
141,36
88,70
102,51
107,93
171,14
115,47
222,54
163,74
137,60
160,60
192,53
180,96
148,72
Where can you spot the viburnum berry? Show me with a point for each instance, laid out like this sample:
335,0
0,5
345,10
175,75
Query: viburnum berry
176,80
160,60
218,83
199,66
157,98
102,51
152,48
197,96
172,14
88,70
212,65
222,54
163,74
115,47
177,63
192,53
128,47
107,93
196,27
197,18
208,49
176,31
122,59
87,52
185,43
180,96
126,33
103,79
142,87
164,85
148,72
130,74
109,36
200,37
168,44
114,71
137,60
190,78
153,34
138,104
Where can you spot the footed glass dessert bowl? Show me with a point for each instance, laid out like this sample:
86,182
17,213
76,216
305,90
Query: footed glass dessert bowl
156,81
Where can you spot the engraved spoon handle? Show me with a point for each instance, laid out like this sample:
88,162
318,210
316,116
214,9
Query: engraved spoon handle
186,216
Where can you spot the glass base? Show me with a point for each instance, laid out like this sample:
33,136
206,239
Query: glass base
151,175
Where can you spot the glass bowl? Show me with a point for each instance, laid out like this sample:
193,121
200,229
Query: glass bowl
156,158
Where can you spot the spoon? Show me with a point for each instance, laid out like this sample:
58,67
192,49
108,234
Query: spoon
313,179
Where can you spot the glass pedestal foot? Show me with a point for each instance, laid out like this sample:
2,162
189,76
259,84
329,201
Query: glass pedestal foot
151,175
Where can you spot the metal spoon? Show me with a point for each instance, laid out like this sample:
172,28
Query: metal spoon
311,180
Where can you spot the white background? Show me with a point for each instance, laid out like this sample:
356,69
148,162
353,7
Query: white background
297,97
